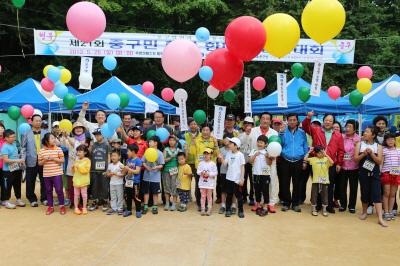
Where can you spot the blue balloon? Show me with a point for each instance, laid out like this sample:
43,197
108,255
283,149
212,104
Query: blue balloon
113,101
107,131
206,73
202,34
60,90
114,121
109,62
393,129
54,74
162,133
23,127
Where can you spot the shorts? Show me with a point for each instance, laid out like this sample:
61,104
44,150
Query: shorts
169,182
388,179
370,186
65,183
222,181
153,186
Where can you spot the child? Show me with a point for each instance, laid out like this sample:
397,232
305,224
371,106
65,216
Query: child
207,170
221,180
261,174
114,172
183,181
390,176
132,184
152,175
11,170
234,176
116,145
51,158
81,171
100,160
320,168
136,139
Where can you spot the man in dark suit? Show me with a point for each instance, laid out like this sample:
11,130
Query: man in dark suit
159,123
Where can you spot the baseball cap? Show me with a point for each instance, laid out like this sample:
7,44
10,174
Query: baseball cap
208,150
249,119
117,141
44,122
140,128
55,123
316,120
235,140
277,120
230,117
97,131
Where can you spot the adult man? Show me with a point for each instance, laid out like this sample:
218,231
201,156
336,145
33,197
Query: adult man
159,123
31,143
276,124
230,130
56,128
45,126
294,148
146,123
126,122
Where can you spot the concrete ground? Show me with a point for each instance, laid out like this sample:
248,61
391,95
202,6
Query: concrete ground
30,237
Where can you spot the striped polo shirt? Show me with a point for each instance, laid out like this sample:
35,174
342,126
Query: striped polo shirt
51,168
391,158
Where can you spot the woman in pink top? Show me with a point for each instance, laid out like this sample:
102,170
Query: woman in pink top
349,173
2,141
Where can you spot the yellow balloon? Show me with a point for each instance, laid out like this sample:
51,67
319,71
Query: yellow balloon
65,76
65,123
283,34
322,20
151,155
364,85
45,70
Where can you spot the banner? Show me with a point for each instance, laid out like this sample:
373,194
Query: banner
282,91
86,67
317,79
63,43
219,121
247,96
183,115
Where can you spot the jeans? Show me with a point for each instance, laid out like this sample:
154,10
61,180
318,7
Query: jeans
56,182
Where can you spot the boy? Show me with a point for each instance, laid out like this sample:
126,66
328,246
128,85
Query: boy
221,180
100,159
183,181
115,174
116,145
234,176
12,170
136,139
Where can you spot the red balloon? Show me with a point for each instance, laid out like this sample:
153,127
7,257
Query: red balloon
245,37
227,69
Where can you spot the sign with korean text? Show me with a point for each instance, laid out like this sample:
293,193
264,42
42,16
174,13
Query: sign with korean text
219,120
247,96
317,79
86,67
183,114
282,90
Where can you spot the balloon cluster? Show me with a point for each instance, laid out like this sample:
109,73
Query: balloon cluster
364,83
303,92
115,101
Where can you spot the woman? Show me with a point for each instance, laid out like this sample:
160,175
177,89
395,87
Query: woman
381,123
336,195
369,156
2,141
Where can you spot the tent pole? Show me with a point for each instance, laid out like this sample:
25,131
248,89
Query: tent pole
359,124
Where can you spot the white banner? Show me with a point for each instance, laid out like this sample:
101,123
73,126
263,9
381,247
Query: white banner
282,91
86,67
247,96
63,43
183,115
219,121
317,79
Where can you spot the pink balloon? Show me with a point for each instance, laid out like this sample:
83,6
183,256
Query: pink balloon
334,92
47,84
364,72
29,121
181,60
27,110
148,87
259,83
167,94
86,21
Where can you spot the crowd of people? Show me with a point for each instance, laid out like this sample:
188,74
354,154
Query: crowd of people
89,172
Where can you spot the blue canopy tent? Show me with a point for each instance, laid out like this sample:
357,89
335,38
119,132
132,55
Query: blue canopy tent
163,105
73,91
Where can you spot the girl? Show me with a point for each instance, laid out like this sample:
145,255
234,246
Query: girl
51,158
369,155
390,177
207,170
81,171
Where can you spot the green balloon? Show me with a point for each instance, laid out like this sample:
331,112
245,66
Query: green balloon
229,96
274,139
356,98
69,101
18,3
124,100
60,67
304,94
297,70
257,123
199,116
150,134
14,112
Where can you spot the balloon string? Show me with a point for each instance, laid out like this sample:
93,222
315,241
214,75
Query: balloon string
305,108
19,34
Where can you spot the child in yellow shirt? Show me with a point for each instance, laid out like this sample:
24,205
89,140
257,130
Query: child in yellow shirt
81,179
183,181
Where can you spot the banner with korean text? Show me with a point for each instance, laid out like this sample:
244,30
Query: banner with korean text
183,114
219,121
317,79
86,67
247,96
281,89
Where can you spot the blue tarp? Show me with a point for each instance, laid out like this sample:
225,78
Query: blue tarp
163,105
73,91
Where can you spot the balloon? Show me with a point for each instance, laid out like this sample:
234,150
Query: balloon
65,123
69,101
181,59
212,92
245,37
19,4
393,89
114,121
162,133
113,101
54,74
151,155
199,116
45,69
229,96
274,139
148,87
85,79
356,98
274,149
259,83
364,85
124,97
393,129
29,121
47,94
322,20
61,67
227,69
37,112
334,92
23,127
60,90
166,140
206,73
47,84
180,94
65,76
86,21
202,34
364,72
283,34
27,110
150,134
167,94
14,112
109,62
297,70
304,94
107,131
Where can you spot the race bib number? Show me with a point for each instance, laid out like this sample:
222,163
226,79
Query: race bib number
200,158
265,171
347,157
394,171
321,180
100,166
72,156
173,171
368,165
14,167
129,182
178,183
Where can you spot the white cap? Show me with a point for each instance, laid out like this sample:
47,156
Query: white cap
316,120
236,141
249,119
55,123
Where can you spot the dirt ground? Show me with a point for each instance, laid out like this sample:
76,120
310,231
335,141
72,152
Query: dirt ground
31,237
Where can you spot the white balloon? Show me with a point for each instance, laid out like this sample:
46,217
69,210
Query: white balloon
212,92
37,112
274,149
47,94
180,94
393,89
85,79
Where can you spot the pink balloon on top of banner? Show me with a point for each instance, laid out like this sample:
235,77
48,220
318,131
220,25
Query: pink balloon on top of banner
47,84
148,87
334,92
167,94
364,72
259,83
27,110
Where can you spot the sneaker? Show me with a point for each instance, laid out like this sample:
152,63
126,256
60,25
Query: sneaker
203,212
244,201
336,204
255,208
386,216
314,212
94,206
352,210
166,207
20,203
285,208
62,210
259,210
330,210
145,209
325,213
57,203
120,212
33,204
111,212
222,210
233,211
264,213
50,210
155,211
394,212
105,208
199,208
84,211
296,208
173,207
342,209
241,215
208,213
9,205
392,217
128,213
228,214
252,203
370,210
77,211
180,208
45,203
3,203
138,215
218,201
271,209
67,202
184,208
